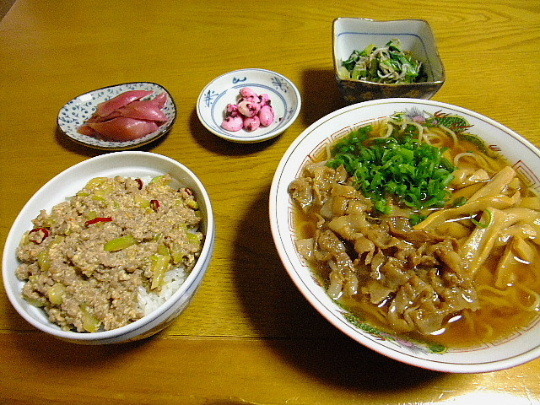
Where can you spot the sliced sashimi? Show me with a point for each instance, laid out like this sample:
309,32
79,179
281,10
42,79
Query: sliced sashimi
144,110
123,129
99,118
89,131
109,106
161,100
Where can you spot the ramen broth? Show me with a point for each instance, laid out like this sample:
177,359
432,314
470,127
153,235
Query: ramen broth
499,310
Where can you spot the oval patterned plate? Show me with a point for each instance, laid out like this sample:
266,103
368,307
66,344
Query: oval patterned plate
75,113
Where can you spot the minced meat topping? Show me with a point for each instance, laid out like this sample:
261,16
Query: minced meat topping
87,261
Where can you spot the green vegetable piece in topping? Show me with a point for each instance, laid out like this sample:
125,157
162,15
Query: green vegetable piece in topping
163,250
35,302
44,260
57,293
142,201
120,243
178,256
97,183
163,180
195,237
90,322
161,264
99,187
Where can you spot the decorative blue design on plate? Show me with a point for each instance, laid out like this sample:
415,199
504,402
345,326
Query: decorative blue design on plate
209,97
215,97
280,84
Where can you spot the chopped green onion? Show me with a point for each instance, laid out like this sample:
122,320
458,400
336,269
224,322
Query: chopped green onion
458,202
487,222
415,219
402,168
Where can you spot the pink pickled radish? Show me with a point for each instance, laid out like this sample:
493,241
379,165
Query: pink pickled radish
233,123
252,112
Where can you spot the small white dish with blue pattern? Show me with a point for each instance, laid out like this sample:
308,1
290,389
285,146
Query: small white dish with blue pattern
224,90
75,113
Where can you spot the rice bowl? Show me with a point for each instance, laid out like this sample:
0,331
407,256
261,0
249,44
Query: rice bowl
160,310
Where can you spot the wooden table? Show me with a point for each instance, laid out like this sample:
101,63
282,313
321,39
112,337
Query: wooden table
249,337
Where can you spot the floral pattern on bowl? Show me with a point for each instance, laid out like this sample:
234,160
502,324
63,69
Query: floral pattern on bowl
225,89
76,112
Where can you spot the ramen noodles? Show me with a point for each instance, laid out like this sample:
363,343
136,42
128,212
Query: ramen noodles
414,224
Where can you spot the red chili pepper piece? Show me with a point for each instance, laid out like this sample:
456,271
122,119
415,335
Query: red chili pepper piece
155,204
98,219
38,235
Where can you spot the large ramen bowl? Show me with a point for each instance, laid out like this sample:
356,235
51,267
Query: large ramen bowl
66,184
519,348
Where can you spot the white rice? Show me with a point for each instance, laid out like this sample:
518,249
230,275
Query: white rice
150,301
